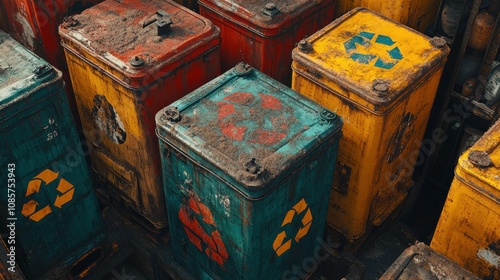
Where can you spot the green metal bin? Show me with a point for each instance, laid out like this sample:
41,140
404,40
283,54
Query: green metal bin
247,168
47,202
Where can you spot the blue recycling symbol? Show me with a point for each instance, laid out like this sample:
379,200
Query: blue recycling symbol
365,39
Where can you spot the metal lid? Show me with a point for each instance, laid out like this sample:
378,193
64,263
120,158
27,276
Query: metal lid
21,71
265,17
372,56
249,126
139,38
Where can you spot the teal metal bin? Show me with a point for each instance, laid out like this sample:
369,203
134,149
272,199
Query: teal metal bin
247,168
47,202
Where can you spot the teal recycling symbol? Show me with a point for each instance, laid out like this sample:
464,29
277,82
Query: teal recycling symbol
360,48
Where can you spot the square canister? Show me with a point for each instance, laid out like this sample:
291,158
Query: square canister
247,168
263,33
129,59
48,204
468,230
381,77
34,24
422,262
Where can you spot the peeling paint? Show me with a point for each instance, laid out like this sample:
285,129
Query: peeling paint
27,32
489,256
225,202
107,119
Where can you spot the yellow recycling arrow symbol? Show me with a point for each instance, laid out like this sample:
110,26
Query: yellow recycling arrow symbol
47,176
280,246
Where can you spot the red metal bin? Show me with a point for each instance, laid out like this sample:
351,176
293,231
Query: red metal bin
34,24
262,33
127,60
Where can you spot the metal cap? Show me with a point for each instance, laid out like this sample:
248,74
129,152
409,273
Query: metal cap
136,62
327,115
304,46
172,114
438,42
270,9
381,87
253,167
242,69
480,158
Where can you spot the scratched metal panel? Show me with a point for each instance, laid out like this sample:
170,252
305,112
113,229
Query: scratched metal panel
56,210
247,167
422,262
468,230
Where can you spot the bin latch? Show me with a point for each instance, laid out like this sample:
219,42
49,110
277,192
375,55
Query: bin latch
162,21
270,10
172,114
253,167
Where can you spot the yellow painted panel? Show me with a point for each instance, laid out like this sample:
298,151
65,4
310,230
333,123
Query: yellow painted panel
381,133
417,14
468,230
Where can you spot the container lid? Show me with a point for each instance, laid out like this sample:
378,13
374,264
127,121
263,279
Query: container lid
264,17
482,160
21,72
141,39
371,55
249,126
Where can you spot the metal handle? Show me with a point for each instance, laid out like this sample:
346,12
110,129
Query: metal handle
162,22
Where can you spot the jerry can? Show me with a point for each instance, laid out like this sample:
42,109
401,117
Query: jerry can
416,14
247,168
34,24
128,60
381,78
468,230
422,262
48,204
263,33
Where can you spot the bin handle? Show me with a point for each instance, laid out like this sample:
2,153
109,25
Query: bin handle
162,21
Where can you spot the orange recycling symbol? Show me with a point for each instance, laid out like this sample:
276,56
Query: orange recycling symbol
44,178
280,246
215,248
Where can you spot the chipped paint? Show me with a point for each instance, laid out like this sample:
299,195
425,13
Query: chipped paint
108,120
225,202
489,256
27,32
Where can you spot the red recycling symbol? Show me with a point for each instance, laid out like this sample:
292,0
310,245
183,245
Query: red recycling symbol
259,135
215,248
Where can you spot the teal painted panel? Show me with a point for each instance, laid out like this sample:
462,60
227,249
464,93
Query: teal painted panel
230,218
56,210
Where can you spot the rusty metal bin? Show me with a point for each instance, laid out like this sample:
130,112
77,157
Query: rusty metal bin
422,262
381,77
247,168
127,60
468,230
263,33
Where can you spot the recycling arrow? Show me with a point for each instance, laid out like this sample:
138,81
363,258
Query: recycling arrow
382,46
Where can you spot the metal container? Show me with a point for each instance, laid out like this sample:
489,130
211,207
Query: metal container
417,14
422,262
247,169
263,33
128,60
47,194
381,78
190,4
34,24
468,230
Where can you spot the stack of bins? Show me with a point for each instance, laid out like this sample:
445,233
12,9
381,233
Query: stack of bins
468,230
247,168
47,195
34,24
416,14
421,262
129,59
381,78
263,33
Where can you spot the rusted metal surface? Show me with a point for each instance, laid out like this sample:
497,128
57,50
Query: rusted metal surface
263,33
421,262
129,59
238,166
468,230
381,78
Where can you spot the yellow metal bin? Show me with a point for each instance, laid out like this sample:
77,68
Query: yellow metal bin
468,230
381,78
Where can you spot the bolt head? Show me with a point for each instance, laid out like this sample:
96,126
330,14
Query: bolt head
136,61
